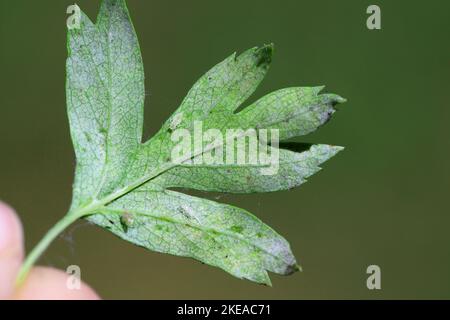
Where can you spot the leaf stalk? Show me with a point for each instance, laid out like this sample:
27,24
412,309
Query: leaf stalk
54,232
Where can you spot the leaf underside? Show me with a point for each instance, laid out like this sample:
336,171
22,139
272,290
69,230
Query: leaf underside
132,181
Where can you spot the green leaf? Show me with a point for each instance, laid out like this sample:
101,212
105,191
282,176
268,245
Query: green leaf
122,184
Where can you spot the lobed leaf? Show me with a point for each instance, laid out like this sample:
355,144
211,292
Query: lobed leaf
122,184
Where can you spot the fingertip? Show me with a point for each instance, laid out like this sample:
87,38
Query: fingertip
11,248
51,284
11,235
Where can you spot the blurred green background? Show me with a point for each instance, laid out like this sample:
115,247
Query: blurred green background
383,201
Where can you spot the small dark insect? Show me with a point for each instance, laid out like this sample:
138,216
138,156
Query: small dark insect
184,212
126,220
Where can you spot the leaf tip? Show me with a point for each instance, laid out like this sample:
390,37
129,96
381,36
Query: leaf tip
264,54
318,89
339,99
334,99
267,282
332,151
337,149
293,268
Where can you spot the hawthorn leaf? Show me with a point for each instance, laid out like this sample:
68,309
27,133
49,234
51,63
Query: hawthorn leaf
124,185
